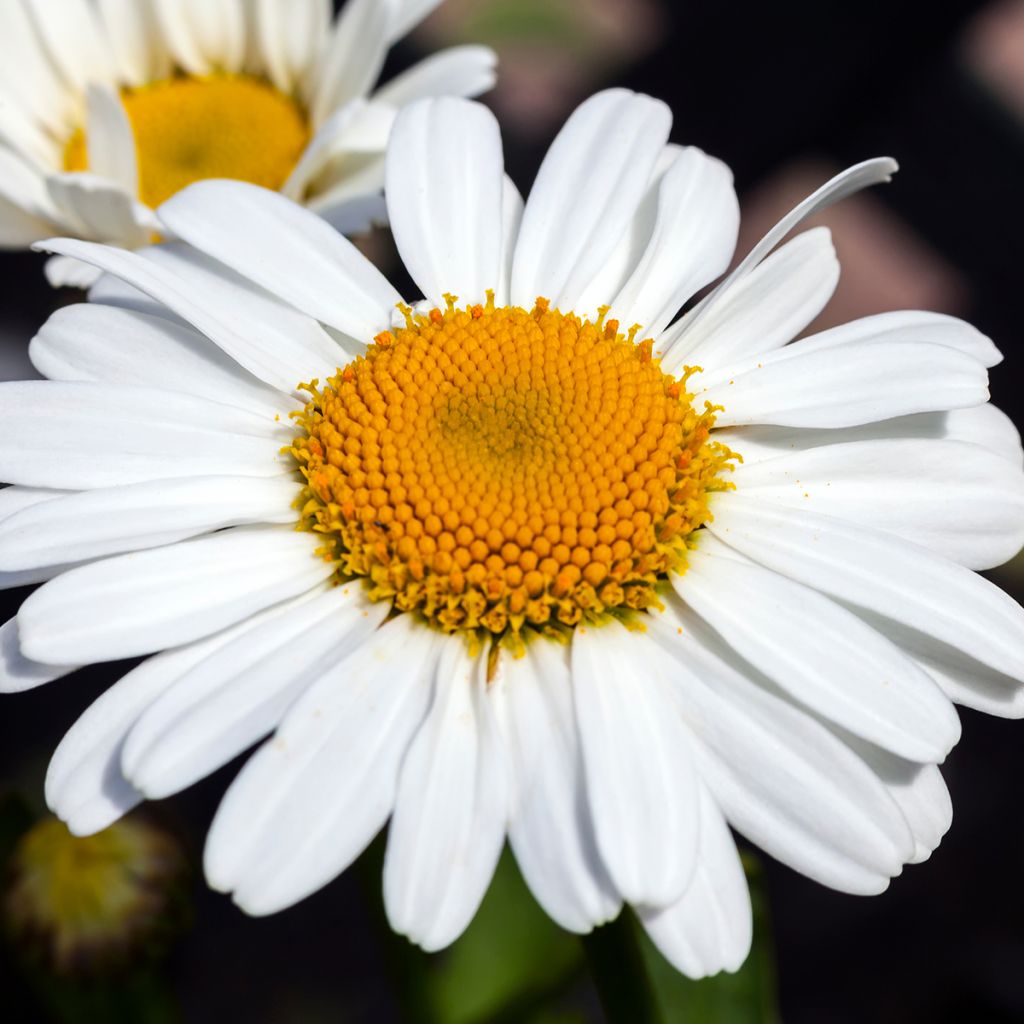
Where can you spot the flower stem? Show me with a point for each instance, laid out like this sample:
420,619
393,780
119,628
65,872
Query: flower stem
618,972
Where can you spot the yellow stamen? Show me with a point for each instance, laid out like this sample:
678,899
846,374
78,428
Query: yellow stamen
220,126
497,470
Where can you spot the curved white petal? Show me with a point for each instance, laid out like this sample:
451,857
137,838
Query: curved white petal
451,808
919,791
70,34
444,185
846,183
355,54
204,35
135,39
97,523
408,14
18,673
150,600
694,237
550,828
586,193
111,345
641,781
882,575
291,37
963,502
272,341
711,927
781,777
287,250
457,71
983,425
308,802
98,208
110,139
84,783
240,693
763,311
107,435
822,655
809,385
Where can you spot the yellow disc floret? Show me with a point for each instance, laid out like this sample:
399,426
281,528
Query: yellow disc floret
497,469
220,126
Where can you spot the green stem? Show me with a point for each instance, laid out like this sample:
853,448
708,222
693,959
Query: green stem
617,969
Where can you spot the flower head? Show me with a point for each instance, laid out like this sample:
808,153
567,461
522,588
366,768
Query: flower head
92,904
531,558
111,108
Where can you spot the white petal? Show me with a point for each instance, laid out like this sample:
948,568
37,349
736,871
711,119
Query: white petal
204,35
29,76
24,186
81,435
240,693
885,576
84,783
641,781
913,325
853,179
711,927
763,311
99,208
291,36
451,808
64,272
71,35
408,14
94,524
959,500
308,802
822,655
456,71
14,499
918,790
355,55
135,40
18,228
983,425
18,673
143,602
445,179
626,255
550,828
782,778
963,679
110,139
512,217
693,241
272,342
287,250
106,344
805,385
989,427
587,190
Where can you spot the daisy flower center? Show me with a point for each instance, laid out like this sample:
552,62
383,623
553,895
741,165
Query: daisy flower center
220,126
500,470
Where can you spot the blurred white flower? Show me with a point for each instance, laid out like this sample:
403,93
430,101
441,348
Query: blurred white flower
109,107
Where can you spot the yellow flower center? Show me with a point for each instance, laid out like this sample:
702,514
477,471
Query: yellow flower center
497,470
220,126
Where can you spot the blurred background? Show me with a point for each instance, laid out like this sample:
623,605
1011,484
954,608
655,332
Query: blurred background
786,93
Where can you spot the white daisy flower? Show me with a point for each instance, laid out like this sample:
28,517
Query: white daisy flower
534,592
110,107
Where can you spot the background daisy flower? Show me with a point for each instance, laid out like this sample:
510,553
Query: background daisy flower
603,591
109,107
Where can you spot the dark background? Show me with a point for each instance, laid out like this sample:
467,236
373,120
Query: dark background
785,92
